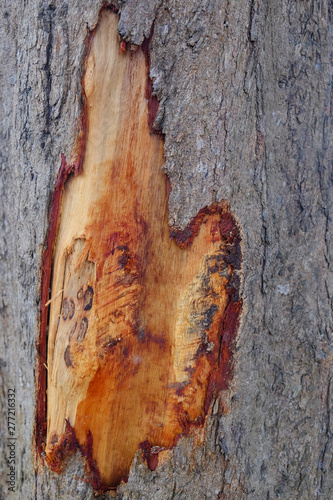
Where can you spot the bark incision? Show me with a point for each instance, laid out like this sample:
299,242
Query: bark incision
142,318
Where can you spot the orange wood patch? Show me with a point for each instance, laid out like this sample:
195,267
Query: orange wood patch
140,338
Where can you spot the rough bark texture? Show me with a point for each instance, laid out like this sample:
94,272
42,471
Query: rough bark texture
246,107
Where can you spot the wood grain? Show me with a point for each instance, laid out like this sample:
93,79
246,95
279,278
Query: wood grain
135,338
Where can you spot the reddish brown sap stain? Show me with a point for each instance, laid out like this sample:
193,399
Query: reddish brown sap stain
143,317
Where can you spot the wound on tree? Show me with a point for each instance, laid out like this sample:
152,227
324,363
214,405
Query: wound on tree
142,317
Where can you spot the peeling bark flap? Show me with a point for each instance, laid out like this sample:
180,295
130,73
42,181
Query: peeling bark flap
141,337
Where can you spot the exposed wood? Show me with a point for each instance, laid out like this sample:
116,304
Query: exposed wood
135,347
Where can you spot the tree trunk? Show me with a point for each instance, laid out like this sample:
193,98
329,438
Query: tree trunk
245,108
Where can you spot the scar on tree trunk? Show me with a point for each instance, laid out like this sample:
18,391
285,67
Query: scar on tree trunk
142,317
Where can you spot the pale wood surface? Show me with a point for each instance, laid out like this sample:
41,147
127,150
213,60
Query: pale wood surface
126,334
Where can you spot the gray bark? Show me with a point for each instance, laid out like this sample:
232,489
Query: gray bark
246,99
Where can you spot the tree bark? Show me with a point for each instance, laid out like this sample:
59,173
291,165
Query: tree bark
245,93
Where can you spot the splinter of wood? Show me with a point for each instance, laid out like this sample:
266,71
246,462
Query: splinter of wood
140,339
